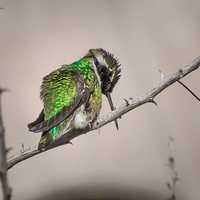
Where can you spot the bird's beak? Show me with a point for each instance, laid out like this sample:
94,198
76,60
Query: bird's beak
108,95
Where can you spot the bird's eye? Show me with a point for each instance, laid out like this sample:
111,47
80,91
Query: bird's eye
96,62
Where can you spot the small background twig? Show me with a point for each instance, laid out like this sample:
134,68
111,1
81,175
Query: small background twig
3,161
171,185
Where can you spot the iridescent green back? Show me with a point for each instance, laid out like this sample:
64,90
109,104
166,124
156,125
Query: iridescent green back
59,89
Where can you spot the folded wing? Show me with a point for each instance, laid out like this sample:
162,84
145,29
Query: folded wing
62,93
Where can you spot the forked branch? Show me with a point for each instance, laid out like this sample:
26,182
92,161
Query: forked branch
130,104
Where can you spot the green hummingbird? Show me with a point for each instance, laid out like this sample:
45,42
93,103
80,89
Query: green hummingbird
72,95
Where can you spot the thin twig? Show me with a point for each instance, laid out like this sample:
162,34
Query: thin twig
117,113
3,161
189,90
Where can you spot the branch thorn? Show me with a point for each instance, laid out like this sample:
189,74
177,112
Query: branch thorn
151,100
126,101
70,143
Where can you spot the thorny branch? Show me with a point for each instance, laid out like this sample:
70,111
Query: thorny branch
3,162
130,104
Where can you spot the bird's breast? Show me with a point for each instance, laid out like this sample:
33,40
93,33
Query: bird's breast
80,119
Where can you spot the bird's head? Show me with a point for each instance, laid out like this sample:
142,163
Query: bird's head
108,69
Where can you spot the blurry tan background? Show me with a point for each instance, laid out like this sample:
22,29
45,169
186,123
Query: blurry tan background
35,36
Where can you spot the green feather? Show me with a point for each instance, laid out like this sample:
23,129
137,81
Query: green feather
59,89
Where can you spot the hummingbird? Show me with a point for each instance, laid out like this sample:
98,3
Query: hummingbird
72,95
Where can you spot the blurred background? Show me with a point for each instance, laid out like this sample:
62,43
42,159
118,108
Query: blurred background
37,36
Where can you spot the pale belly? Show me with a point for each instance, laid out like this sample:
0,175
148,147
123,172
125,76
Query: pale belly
80,120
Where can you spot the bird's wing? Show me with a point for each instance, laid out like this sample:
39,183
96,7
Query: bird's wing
62,93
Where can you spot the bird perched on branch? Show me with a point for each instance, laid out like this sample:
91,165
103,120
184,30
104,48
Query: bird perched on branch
72,95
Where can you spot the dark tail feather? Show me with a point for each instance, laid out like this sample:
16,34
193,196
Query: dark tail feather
47,143
37,121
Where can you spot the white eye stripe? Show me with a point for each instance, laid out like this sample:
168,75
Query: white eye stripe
101,60
96,73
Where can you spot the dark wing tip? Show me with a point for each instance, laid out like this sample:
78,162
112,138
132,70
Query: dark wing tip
35,128
33,125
